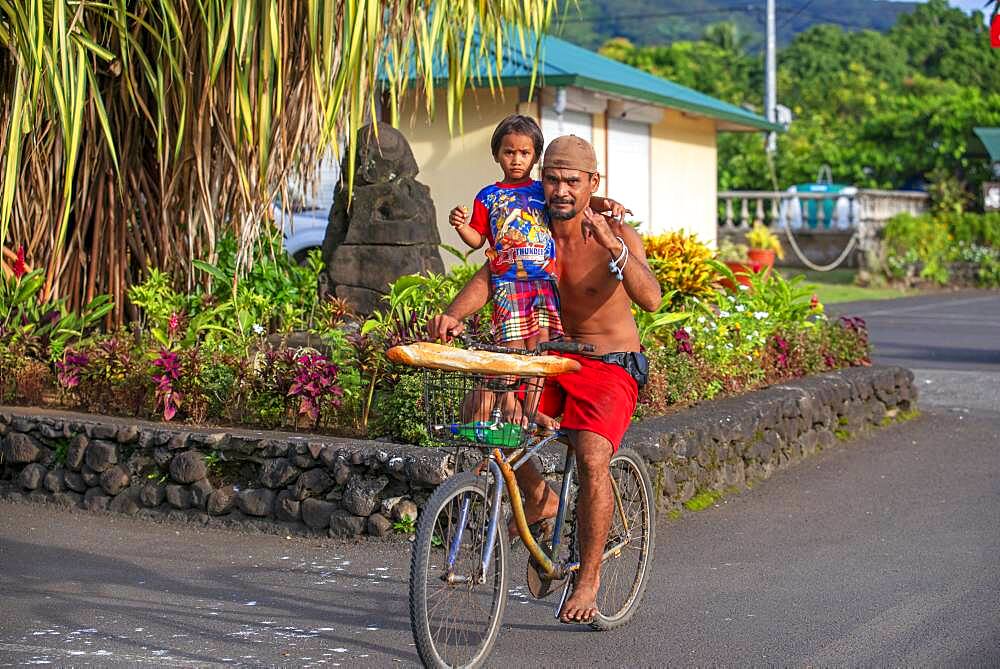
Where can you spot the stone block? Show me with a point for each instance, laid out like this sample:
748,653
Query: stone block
127,434
315,482
19,448
178,496
188,467
74,481
127,503
222,501
200,492
68,499
277,473
362,494
258,502
54,481
404,510
345,524
153,494
90,477
101,455
316,513
76,451
287,507
31,476
114,479
378,525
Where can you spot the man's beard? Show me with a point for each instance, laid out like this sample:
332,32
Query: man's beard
563,215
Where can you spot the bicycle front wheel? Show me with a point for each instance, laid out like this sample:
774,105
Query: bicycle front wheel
629,549
456,606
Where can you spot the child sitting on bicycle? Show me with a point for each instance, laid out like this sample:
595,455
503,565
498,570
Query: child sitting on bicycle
511,215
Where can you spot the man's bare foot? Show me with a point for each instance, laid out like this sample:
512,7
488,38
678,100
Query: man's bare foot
581,607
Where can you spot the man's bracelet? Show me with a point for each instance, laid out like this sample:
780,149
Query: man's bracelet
617,265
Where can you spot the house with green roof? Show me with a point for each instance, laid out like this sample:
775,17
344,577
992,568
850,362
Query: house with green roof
655,140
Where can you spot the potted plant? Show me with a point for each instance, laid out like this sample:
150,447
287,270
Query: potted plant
734,256
764,246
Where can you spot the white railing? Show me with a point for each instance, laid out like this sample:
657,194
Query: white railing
863,212
741,209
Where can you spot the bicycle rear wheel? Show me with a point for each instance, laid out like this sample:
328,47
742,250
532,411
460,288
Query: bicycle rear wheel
625,572
455,612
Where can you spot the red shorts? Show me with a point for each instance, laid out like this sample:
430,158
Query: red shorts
600,398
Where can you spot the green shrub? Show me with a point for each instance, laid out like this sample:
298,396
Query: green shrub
926,246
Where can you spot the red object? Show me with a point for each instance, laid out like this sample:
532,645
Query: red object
995,32
599,398
742,272
760,259
19,268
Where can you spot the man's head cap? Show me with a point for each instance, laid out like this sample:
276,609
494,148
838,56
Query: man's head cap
570,152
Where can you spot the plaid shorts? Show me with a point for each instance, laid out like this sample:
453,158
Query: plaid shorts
522,308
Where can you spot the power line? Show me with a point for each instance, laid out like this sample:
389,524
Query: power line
742,7
801,9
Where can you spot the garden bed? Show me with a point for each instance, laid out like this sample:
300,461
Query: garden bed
291,483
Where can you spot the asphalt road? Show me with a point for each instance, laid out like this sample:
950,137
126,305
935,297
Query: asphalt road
884,551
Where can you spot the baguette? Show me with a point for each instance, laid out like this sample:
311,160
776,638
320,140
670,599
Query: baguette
449,358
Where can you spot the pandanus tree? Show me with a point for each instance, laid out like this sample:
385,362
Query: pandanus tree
134,133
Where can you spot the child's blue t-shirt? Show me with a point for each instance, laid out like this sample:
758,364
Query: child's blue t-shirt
515,221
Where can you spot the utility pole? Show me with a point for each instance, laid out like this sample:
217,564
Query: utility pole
771,76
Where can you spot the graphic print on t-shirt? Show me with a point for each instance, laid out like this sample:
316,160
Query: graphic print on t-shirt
513,218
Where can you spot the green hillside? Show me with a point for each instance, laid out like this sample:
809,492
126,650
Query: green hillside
645,22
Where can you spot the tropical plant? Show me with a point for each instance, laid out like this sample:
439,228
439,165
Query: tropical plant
731,251
761,237
683,266
133,134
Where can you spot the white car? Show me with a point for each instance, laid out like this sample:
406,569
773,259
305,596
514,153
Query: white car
304,226
303,230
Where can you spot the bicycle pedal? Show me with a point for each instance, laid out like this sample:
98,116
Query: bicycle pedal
539,585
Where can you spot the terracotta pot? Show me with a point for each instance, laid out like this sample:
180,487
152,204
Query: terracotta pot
762,258
742,270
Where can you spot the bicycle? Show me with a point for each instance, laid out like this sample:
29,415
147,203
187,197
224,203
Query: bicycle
459,571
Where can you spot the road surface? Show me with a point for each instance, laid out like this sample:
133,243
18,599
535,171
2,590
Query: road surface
883,551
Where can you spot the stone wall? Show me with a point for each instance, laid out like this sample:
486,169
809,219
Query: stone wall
280,482
728,443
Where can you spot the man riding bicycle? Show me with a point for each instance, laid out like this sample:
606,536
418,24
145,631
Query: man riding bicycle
603,270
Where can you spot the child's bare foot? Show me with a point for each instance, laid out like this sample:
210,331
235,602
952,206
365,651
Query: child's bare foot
581,607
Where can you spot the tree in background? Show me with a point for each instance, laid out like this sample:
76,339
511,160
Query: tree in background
883,110
132,135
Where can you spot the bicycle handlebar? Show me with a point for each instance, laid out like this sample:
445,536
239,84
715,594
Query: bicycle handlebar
544,347
565,347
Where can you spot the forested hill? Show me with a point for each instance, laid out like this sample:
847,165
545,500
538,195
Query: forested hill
646,22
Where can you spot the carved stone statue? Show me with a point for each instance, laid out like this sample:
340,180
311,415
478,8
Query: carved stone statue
388,230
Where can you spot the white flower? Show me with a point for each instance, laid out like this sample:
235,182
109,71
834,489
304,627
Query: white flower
729,346
701,319
687,329
723,313
742,287
258,329
740,308
760,315
709,347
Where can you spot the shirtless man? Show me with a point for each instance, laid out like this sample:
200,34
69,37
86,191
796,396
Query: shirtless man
596,403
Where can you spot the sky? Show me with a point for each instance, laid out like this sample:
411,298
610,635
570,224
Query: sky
968,5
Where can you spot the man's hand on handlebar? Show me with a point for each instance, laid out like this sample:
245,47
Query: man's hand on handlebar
444,328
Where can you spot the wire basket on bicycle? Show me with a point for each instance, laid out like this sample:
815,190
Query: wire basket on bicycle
486,398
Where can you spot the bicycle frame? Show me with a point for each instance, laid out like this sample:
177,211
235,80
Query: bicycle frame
503,469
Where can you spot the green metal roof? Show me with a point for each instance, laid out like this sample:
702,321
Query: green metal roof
990,137
565,64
